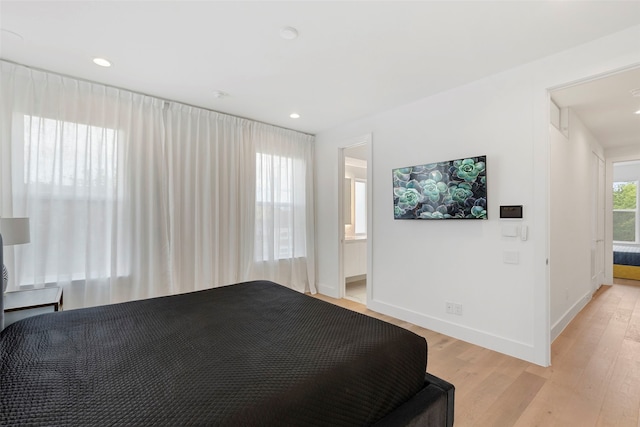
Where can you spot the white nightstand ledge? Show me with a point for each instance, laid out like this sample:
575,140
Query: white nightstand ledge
22,304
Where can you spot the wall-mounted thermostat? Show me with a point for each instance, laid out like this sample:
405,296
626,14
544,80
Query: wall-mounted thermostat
511,212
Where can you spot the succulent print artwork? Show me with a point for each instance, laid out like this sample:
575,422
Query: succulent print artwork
456,189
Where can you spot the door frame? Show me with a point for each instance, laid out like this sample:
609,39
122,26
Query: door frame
365,139
598,237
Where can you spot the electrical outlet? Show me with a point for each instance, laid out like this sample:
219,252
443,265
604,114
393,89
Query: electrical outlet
453,308
450,307
458,309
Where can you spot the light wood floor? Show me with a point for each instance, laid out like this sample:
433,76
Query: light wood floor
594,379
356,291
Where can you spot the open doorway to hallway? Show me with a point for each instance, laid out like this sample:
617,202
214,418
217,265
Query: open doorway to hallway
593,123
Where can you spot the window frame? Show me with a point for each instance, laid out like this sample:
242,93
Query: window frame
636,212
53,189
287,202
357,225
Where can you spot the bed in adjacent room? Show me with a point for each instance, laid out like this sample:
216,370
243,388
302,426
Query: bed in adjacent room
626,262
249,354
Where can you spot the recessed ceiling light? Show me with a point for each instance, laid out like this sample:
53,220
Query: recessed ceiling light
294,115
637,112
288,33
219,94
101,62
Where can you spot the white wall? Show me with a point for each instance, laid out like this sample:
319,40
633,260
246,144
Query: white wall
626,171
571,211
417,265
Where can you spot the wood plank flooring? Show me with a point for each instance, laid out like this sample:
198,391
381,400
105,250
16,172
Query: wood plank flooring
594,379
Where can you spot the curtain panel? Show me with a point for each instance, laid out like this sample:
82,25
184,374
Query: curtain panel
132,197
241,201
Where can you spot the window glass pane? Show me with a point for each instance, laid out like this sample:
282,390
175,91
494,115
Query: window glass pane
280,224
624,226
67,157
625,195
625,215
70,172
360,201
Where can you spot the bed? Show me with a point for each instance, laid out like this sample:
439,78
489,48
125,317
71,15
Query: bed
249,354
626,262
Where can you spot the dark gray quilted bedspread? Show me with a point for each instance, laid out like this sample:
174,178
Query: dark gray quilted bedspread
252,354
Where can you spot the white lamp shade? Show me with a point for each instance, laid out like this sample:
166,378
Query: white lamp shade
15,231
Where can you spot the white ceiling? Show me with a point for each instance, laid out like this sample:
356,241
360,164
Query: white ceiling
351,59
607,107
357,152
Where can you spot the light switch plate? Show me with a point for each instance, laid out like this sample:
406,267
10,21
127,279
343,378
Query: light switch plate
510,230
510,257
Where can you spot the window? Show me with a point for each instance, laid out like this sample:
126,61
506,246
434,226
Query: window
69,158
360,207
280,210
625,212
70,182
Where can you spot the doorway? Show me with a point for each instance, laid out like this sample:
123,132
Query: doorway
593,122
355,235
597,221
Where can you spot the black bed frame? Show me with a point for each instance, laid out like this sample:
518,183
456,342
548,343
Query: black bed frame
431,406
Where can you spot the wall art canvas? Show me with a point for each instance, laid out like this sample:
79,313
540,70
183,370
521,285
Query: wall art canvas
455,189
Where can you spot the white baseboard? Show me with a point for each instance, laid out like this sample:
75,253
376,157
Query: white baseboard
568,316
329,291
520,350
357,278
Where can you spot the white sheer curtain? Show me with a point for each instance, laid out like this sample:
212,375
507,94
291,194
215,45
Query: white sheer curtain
84,163
210,189
284,213
241,201
131,197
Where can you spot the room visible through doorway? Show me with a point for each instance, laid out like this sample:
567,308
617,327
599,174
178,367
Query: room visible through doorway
355,222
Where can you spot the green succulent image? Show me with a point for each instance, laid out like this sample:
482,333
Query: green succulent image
455,189
409,197
468,169
432,189
432,215
402,174
398,211
479,212
460,192
435,175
